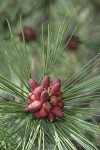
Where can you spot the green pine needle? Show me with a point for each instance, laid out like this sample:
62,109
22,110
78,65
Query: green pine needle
82,88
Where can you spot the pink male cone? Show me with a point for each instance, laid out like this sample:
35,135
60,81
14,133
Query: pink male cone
57,111
43,113
47,106
37,93
55,89
36,115
33,84
45,82
33,98
44,96
29,101
35,106
54,100
56,81
60,105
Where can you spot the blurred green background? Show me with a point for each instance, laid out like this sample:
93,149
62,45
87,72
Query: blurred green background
84,15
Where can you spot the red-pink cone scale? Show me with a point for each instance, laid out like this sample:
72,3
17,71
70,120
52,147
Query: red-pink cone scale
60,105
51,117
47,106
55,89
37,92
33,84
44,96
29,95
34,106
56,81
43,113
57,111
29,101
44,101
54,100
36,115
33,98
45,82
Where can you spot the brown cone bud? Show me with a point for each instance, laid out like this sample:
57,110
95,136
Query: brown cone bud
60,105
45,82
51,117
47,106
57,111
37,93
43,113
44,96
54,100
33,84
55,89
35,106
36,115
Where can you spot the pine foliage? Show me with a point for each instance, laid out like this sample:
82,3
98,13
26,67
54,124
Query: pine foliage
80,89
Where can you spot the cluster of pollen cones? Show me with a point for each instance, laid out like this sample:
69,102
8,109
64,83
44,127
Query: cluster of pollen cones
45,100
